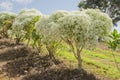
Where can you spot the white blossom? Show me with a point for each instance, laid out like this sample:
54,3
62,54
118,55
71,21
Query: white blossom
102,23
48,29
58,14
75,27
84,27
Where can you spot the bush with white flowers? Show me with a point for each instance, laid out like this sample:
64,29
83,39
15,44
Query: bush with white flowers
49,31
81,30
100,21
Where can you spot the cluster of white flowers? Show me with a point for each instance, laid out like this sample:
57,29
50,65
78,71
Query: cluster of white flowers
58,14
75,26
100,21
48,29
84,27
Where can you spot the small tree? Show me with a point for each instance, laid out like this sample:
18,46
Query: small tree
114,43
81,30
50,35
47,29
24,24
6,21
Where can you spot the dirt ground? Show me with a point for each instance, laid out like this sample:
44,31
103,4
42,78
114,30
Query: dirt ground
18,62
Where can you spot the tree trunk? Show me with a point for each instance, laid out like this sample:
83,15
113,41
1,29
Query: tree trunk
51,55
28,42
38,48
79,60
17,40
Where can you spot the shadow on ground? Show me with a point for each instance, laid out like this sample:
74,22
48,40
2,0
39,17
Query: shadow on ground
14,53
61,74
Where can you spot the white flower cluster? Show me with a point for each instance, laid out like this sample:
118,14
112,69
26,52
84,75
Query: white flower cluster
75,27
84,27
48,29
101,21
58,14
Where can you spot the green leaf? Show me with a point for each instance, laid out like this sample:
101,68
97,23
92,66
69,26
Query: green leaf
115,40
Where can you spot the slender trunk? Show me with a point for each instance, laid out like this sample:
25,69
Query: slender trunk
28,42
51,55
17,40
116,64
79,60
38,48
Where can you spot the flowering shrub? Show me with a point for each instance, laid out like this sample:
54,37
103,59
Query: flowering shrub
100,21
49,31
81,29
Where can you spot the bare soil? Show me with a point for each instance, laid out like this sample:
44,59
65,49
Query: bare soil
19,62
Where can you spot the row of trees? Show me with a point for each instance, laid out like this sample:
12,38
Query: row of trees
79,29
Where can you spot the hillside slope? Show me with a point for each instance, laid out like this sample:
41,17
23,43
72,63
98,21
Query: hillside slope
19,62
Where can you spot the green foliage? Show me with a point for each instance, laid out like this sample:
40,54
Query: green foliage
36,40
114,41
24,24
30,29
6,21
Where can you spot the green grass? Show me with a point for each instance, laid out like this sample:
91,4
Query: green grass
89,60
107,52
102,56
